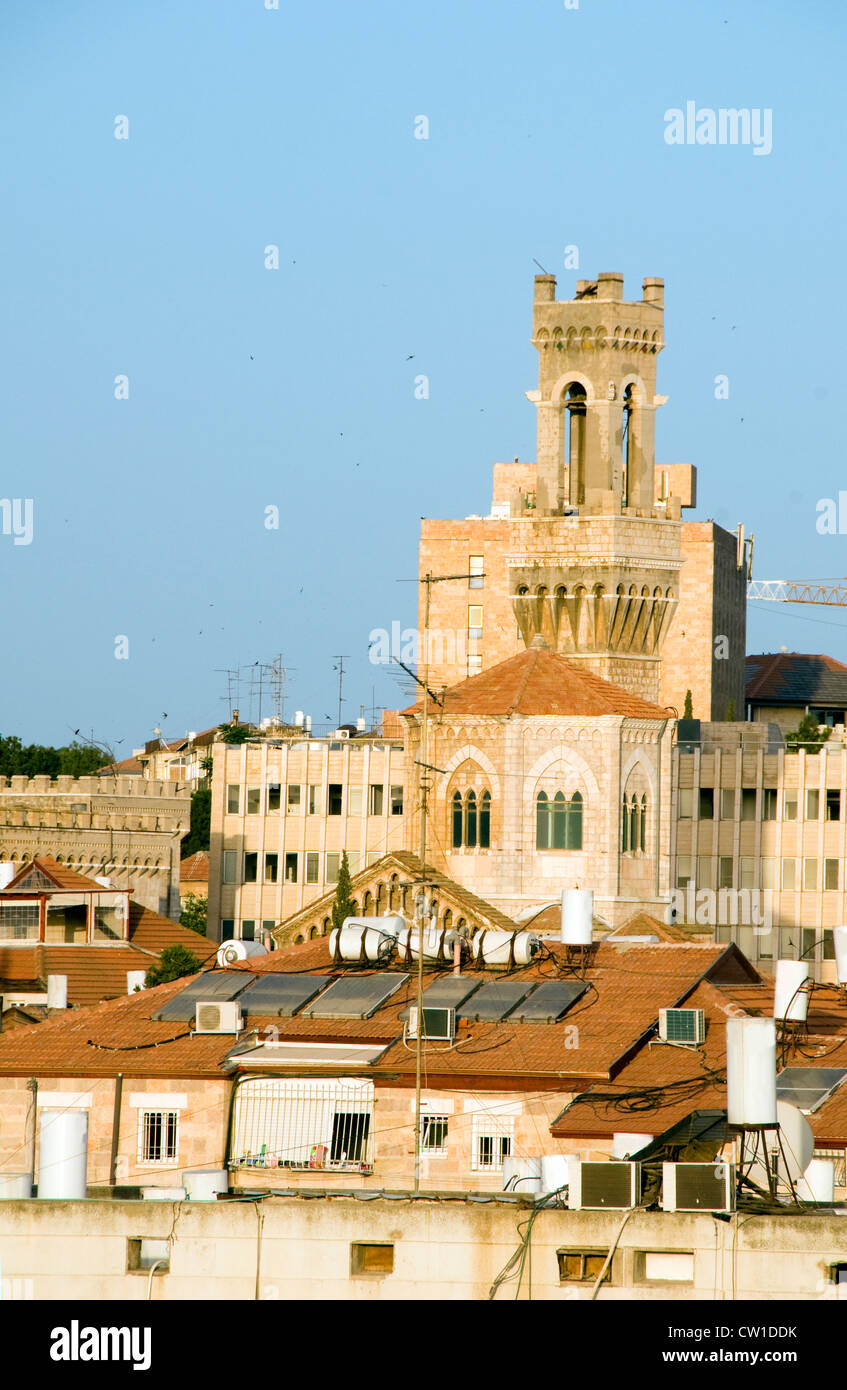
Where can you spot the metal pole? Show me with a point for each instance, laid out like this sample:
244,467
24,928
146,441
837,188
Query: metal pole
421,908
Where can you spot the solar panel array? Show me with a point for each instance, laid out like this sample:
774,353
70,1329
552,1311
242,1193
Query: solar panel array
281,996
493,1002
217,985
549,1001
808,1087
448,992
355,996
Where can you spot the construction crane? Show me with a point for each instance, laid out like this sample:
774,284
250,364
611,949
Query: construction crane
823,591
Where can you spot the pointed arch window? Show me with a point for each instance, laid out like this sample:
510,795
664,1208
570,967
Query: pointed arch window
558,821
470,820
642,833
458,821
485,821
634,824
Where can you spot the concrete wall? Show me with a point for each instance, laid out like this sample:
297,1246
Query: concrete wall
290,1248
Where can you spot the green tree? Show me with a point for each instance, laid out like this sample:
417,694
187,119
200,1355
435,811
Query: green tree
195,913
235,733
688,707
808,734
35,759
173,963
343,906
201,819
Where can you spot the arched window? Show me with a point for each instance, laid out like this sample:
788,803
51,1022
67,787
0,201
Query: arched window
485,821
633,823
470,820
625,825
558,823
627,445
457,820
643,827
575,403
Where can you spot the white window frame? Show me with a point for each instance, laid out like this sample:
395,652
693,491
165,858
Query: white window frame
427,1120
144,1159
501,1130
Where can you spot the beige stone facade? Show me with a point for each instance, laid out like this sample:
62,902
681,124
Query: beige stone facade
125,828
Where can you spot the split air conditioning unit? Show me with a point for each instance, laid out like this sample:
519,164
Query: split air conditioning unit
603,1186
682,1026
698,1186
439,1025
217,1018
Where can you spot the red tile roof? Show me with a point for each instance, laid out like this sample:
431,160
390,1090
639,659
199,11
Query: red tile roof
195,869
62,875
541,682
127,765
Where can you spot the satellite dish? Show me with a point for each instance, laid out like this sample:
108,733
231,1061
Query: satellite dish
795,1152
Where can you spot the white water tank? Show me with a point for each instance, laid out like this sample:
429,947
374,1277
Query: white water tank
231,951
366,937
135,980
577,916
554,1171
625,1144
7,873
62,1153
522,1175
839,939
392,924
57,991
818,1182
791,998
14,1185
751,1071
495,947
204,1184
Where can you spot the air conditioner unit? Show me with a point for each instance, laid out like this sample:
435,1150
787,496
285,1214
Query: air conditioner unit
210,1017
439,1025
601,1186
698,1186
682,1026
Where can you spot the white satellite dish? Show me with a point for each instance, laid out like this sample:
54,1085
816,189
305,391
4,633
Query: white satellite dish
794,1152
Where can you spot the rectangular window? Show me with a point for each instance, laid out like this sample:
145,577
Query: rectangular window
375,799
810,875
354,860
233,795
354,801
747,873
251,866
813,798
475,622
294,798
725,871
230,865
334,794
396,801
707,803
769,879
789,806
271,868
683,870
833,804
435,1134
333,864
371,1259
158,1137
728,803
808,943
706,869
314,799
748,803
474,665
788,875
582,1266
769,803
227,928
312,867
20,921
248,930
291,868
492,1142
307,1124
274,796
254,800
830,874
686,803
476,571
665,1266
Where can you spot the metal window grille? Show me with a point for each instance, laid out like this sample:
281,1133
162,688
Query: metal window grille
839,1158
492,1142
435,1133
292,1123
158,1136
20,922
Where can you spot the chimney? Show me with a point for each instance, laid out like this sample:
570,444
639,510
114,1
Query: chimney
610,285
654,290
57,991
545,287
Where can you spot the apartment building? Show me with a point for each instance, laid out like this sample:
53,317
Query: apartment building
283,811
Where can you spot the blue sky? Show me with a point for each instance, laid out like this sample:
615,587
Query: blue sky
252,387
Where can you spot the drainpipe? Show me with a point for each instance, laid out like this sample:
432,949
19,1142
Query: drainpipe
32,1123
116,1129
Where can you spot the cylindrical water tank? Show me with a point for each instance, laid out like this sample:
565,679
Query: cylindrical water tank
7,873
62,1153
392,924
351,940
204,1184
554,1171
522,1175
791,999
135,980
15,1185
818,1182
577,916
751,1071
839,939
231,951
57,991
495,947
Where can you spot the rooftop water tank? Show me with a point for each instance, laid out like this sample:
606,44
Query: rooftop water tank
231,951
361,935
577,916
204,1184
839,938
554,1171
14,1185
496,947
751,1071
7,873
791,997
818,1182
62,1153
57,991
522,1175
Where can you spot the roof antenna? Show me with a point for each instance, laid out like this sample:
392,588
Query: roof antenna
540,266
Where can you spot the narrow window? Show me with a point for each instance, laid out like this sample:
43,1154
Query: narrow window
312,865
354,801
274,796
560,830
294,798
314,799
233,793
333,863
248,930
254,800
748,803
725,871
686,803
485,821
707,803
575,444
810,875
475,570
396,801
627,446
475,622
789,806
769,803
271,868
830,874
728,803
633,826
470,820
833,804
457,820
643,826
574,833
625,826
291,868
334,793
251,866
812,803
543,822
376,799
230,865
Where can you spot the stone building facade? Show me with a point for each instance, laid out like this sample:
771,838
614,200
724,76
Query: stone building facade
125,828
